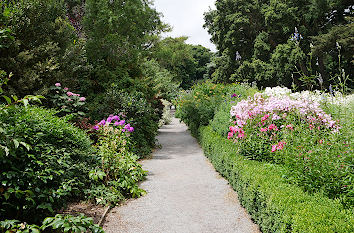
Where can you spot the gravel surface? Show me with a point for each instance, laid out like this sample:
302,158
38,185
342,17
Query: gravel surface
185,193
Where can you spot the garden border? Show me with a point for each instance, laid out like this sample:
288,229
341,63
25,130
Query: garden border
274,204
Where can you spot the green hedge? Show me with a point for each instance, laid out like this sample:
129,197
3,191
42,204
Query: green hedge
275,205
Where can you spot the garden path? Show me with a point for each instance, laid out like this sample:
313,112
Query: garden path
184,193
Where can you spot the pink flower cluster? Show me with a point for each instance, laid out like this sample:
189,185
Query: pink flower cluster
234,130
69,93
279,108
278,146
115,121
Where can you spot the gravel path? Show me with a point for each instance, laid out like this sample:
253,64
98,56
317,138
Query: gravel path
185,193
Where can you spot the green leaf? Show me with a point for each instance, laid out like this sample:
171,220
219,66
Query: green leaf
28,147
16,143
8,100
14,97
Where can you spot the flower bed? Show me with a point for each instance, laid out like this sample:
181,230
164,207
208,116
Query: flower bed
300,135
274,204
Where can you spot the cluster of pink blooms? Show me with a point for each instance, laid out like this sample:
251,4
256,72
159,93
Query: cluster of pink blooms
236,131
272,109
278,146
69,93
279,108
115,121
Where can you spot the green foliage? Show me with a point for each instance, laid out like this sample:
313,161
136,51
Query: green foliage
68,223
253,40
120,168
221,120
197,107
140,113
58,223
159,81
118,32
274,204
34,55
67,102
49,168
186,62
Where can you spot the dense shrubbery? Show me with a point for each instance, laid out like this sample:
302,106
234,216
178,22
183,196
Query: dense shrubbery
54,168
298,146
140,113
197,107
274,204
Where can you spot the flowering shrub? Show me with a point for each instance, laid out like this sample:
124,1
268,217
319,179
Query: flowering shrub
120,169
300,135
67,102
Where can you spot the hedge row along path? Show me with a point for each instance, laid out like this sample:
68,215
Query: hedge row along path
184,193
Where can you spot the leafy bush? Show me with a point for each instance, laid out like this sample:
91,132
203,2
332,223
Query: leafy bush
67,102
58,223
274,204
52,169
197,107
140,113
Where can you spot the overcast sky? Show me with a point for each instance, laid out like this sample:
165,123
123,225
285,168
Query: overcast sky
186,18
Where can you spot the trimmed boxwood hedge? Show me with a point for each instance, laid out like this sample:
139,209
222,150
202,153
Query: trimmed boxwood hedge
274,204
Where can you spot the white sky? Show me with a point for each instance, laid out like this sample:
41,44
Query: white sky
186,19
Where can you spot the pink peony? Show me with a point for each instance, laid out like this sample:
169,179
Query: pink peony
82,99
69,93
58,85
66,89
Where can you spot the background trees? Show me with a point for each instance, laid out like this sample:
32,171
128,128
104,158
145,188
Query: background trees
281,42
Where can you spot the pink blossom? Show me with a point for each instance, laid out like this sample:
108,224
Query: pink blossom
274,148
66,89
82,99
264,129
58,85
69,93
95,127
230,135
265,117
241,135
131,129
70,100
273,126
290,127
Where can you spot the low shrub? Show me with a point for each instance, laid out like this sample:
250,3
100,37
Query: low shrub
67,102
58,223
274,204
